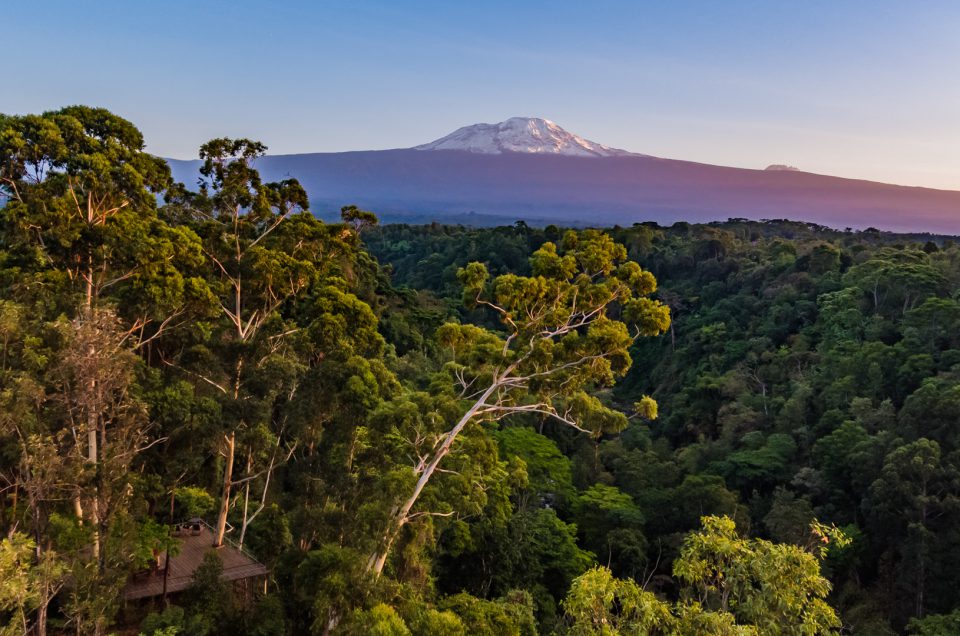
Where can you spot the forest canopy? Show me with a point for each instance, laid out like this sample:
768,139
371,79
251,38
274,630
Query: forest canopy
732,428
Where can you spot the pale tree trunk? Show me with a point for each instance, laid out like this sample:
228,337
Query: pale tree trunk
40,627
78,509
92,418
332,621
231,442
401,516
94,507
248,517
246,500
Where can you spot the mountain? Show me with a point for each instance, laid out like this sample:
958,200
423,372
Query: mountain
534,170
521,134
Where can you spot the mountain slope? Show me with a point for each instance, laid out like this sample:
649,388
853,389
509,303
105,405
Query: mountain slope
590,189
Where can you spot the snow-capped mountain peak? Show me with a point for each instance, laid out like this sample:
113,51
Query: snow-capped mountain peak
521,134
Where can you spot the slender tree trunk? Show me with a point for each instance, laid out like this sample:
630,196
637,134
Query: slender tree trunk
78,509
166,562
248,518
92,419
922,569
231,440
333,619
401,516
100,505
40,627
246,499
378,559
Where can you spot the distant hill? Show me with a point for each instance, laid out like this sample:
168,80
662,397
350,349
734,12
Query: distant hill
534,170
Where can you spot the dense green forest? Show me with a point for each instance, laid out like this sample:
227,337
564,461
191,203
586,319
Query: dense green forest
736,428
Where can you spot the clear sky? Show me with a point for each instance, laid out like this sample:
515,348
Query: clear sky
867,89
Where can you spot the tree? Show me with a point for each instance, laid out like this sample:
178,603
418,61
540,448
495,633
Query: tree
599,604
358,219
915,500
547,469
897,277
265,252
511,615
935,625
776,588
562,335
26,586
103,277
610,524
731,586
83,204
840,315
242,213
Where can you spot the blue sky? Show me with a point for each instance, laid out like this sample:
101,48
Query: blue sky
854,88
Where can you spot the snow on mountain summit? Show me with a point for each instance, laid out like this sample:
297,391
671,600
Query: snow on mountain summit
521,134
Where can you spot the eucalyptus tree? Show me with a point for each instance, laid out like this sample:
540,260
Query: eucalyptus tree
97,276
82,237
267,257
566,329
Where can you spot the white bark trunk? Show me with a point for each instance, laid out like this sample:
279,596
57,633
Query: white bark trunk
225,494
378,559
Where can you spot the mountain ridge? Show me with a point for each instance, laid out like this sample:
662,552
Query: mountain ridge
587,189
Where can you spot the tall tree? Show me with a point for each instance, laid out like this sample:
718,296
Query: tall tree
101,277
563,333
266,253
915,501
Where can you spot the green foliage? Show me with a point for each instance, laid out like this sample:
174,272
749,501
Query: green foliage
799,359
194,501
25,584
511,615
601,605
776,588
381,620
609,522
267,618
152,539
547,471
209,599
936,625
441,429
732,586
169,622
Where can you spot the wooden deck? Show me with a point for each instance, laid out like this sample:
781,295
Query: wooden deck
236,565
